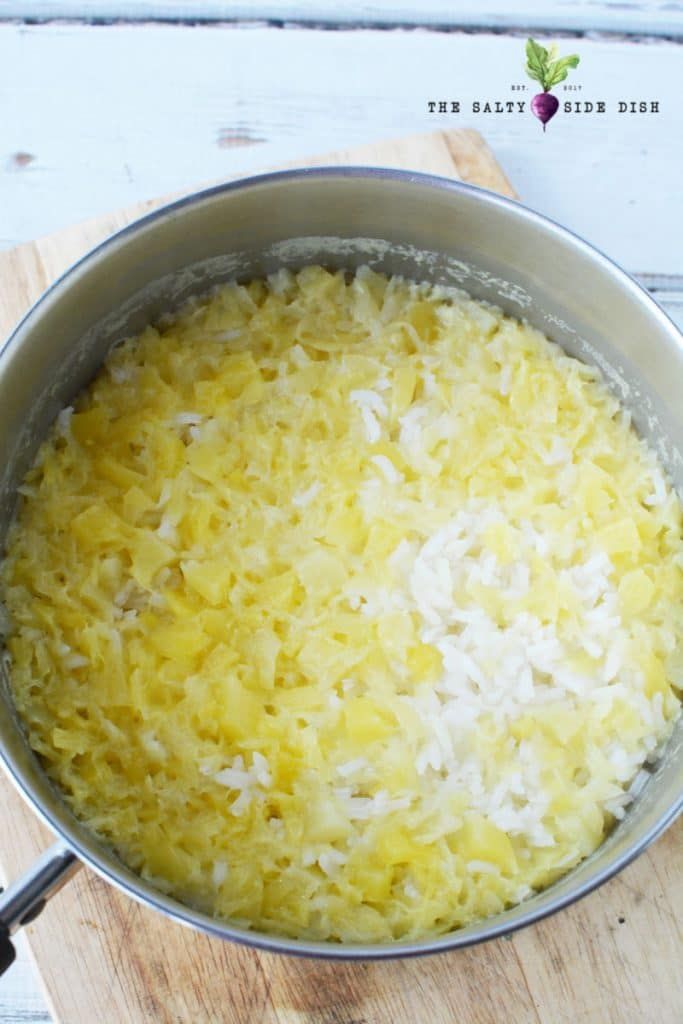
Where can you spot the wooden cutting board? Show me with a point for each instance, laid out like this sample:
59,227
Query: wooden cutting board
614,957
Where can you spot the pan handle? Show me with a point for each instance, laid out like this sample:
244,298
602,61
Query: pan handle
24,899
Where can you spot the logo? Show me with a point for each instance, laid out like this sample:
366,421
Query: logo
548,68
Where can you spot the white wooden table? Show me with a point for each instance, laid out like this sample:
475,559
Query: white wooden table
104,103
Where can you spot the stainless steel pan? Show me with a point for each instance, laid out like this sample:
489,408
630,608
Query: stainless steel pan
423,227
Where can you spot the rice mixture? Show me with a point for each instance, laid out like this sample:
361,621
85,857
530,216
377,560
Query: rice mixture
346,608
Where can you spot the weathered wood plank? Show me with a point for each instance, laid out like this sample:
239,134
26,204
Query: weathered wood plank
26,270
649,17
21,997
167,107
672,302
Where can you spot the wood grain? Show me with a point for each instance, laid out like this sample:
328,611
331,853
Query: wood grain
614,958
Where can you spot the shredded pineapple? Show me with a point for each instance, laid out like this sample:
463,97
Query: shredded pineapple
345,608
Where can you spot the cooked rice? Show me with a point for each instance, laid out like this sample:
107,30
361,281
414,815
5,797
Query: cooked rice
348,608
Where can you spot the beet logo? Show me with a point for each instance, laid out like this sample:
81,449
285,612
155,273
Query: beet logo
548,68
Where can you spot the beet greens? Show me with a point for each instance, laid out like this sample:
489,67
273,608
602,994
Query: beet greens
546,67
